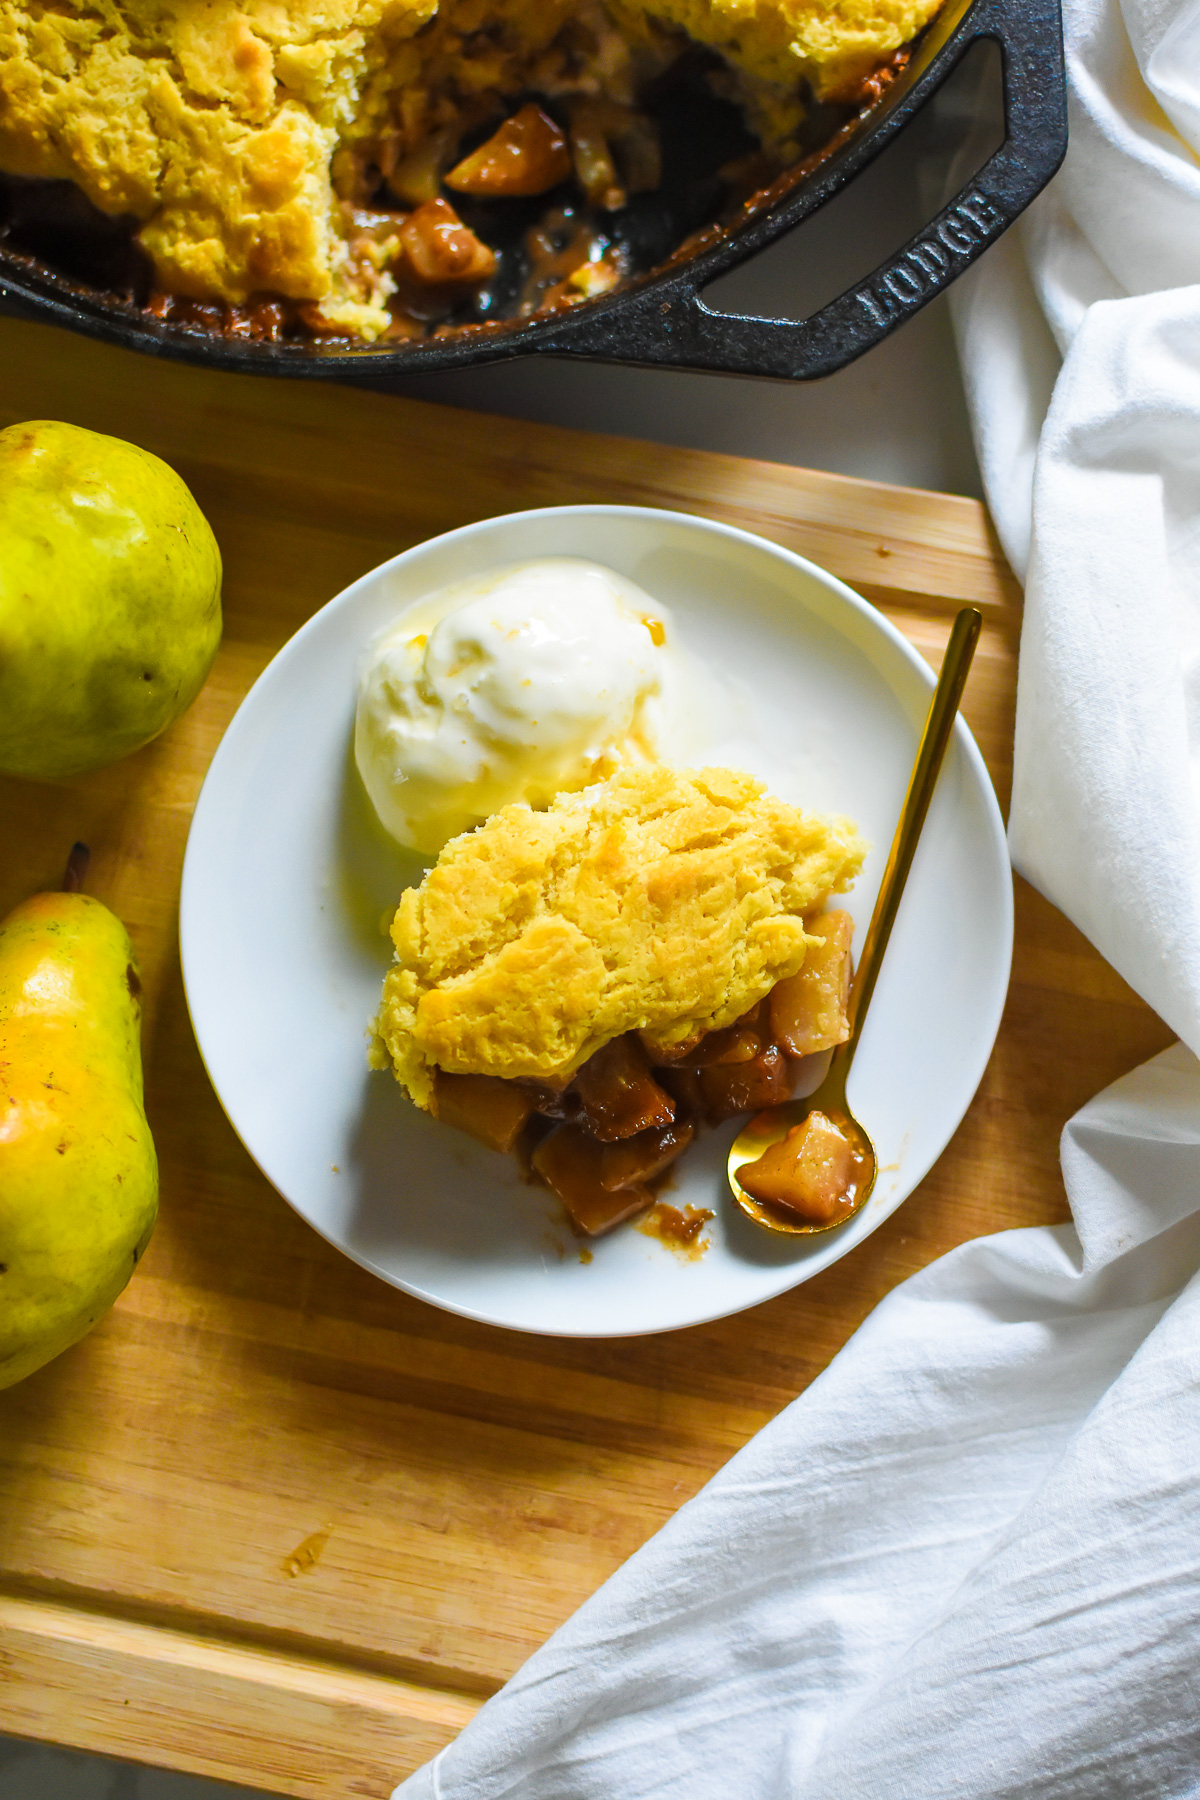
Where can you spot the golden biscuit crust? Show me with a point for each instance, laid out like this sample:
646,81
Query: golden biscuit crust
660,900
830,43
212,124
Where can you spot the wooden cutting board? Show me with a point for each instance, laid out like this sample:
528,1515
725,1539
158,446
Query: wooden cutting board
274,1522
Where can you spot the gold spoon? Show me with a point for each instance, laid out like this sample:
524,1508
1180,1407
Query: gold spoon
769,1127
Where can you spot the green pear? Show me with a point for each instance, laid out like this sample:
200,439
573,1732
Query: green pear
78,1174
110,598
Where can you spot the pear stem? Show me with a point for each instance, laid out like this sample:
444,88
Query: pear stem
76,869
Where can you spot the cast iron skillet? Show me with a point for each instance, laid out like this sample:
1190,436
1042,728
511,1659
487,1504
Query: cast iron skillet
661,317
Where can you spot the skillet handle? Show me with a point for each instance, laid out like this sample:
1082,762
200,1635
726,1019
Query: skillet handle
668,323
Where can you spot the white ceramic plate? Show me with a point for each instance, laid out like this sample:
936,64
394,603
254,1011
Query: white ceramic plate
287,878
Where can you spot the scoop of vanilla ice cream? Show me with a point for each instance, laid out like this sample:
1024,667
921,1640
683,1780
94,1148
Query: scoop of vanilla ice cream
517,685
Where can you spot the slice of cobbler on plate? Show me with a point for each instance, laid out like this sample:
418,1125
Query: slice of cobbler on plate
587,986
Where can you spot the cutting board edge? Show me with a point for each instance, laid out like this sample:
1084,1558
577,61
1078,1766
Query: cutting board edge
165,1697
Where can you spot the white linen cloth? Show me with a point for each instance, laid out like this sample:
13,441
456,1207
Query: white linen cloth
966,1562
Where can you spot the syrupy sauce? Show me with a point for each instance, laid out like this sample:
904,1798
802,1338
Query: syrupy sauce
714,178
679,1228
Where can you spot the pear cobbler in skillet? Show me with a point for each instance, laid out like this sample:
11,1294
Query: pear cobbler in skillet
391,169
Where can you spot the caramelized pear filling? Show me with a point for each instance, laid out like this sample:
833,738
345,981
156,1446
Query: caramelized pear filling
605,1140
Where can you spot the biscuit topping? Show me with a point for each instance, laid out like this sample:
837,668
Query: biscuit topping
662,901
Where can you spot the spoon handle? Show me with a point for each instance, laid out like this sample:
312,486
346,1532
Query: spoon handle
943,710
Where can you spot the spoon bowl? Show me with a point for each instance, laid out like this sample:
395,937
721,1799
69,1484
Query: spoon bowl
847,1191
771,1127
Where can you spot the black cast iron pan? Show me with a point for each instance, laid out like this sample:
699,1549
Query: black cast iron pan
660,317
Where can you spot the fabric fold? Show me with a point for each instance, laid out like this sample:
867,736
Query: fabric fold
884,1536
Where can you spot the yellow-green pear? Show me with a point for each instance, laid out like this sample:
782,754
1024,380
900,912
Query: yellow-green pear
110,598
78,1174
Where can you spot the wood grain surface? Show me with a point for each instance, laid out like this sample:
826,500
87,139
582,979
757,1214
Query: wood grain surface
273,1521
